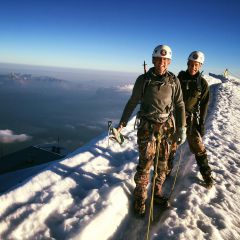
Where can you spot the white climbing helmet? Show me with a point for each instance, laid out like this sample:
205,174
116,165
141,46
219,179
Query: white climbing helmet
163,51
197,56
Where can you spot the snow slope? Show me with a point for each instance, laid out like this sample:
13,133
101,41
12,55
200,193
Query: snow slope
88,195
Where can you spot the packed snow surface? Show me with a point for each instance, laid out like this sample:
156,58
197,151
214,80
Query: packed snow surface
88,195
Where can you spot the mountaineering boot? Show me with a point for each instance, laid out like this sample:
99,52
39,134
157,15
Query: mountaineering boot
139,207
161,200
208,180
205,170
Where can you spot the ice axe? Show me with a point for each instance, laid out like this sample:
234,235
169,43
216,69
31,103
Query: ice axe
114,134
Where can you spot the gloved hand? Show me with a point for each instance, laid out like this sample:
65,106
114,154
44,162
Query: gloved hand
180,135
201,129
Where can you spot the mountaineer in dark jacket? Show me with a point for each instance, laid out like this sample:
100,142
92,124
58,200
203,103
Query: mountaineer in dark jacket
196,97
160,96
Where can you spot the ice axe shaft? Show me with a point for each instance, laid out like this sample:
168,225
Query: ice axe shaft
109,130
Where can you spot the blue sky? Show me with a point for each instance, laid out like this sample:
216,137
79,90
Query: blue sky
119,35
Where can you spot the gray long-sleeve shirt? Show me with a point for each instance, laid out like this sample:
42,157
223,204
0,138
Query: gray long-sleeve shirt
157,96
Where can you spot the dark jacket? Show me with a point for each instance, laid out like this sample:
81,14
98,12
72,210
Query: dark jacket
159,95
195,94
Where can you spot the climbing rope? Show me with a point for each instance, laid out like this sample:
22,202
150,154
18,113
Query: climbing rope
150,215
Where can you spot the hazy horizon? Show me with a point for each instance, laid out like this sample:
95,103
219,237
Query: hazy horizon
69,74
43,109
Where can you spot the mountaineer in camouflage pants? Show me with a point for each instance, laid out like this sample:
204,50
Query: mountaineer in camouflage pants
159,93
196,97
147,142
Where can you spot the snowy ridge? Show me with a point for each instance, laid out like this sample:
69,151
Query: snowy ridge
88,195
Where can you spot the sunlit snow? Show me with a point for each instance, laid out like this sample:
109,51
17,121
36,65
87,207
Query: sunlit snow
88,195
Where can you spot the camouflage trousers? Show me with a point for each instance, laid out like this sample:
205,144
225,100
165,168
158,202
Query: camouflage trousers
197,147
147,144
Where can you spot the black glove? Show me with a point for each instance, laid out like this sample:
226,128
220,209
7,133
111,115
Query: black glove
201,129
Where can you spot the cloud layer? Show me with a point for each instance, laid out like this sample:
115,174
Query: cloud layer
8,136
